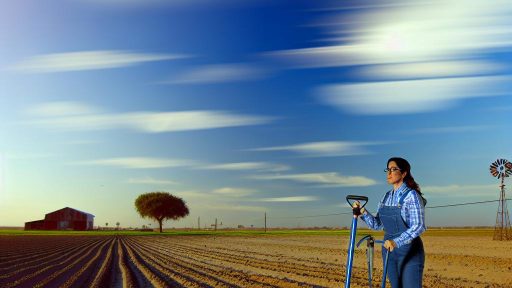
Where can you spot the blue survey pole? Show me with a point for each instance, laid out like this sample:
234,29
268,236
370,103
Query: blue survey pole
351,249
356,211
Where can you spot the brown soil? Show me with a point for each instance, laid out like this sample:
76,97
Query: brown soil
462,260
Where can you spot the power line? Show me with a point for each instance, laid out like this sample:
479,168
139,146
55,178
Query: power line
463,204
346,213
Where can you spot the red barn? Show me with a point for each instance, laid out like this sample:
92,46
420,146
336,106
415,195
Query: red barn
63,219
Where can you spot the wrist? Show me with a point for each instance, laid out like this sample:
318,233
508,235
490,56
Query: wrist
396,243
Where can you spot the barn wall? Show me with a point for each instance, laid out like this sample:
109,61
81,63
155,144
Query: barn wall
63,219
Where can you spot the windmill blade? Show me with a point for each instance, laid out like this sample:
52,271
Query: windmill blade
499,168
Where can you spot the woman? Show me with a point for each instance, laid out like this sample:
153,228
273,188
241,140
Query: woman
401,213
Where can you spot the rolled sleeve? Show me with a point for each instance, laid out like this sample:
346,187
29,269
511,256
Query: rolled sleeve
415,218
372,221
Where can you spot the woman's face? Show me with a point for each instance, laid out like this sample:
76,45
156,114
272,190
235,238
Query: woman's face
394,174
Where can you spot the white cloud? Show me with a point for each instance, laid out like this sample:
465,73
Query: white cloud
411,96
432,69
290,199
151,181
149,122
331,179
139,162
233,191
259,166
219,74
428,31
190,120
325,148
63,108
456,190
419,40
86,60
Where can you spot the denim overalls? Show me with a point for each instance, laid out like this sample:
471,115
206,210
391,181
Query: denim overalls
405,264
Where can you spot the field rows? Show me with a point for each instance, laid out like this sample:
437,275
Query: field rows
203,261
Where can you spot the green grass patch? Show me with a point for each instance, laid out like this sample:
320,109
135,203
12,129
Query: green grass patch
436,232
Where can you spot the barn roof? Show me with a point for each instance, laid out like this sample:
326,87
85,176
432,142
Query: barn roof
72,209
35,221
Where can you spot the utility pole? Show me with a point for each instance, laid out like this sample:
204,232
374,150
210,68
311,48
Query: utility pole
215,224
198,223
265,222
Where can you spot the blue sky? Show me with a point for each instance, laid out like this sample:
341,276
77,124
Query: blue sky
247,107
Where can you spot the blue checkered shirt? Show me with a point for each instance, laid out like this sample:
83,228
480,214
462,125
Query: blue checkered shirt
412,211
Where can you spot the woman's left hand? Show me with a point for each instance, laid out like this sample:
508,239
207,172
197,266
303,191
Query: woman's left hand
390,245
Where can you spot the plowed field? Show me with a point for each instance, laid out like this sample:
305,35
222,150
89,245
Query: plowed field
234,261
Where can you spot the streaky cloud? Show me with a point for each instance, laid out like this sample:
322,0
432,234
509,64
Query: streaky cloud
323,148
221,73
426,57
331,179
427,32
148,122
432,69
87,60
151,181
139,162
62,108
233,191
258,166
411,96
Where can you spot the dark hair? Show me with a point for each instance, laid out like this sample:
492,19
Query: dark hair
404,166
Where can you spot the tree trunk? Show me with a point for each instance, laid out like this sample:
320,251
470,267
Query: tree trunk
160,223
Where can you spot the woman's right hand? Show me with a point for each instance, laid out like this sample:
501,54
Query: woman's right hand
357,204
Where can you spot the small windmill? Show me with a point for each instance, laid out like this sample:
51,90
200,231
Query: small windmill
502,168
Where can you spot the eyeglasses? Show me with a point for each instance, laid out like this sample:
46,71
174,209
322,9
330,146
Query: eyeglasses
392,169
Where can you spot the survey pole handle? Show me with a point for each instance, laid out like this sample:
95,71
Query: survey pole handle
353,198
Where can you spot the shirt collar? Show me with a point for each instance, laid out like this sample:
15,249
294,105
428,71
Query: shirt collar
400,190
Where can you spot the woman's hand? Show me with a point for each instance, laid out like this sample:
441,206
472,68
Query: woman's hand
390,245
357,204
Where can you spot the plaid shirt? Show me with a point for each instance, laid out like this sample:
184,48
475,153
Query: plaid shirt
412,211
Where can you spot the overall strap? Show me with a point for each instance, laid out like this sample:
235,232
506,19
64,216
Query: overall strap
386,197
402,198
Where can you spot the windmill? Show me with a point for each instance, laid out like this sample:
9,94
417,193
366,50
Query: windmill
502,168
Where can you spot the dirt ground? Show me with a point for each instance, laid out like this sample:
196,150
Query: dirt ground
453,259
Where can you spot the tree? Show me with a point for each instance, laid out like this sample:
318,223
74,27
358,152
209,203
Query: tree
161,206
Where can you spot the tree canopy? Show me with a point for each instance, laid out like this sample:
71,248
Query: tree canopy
161,206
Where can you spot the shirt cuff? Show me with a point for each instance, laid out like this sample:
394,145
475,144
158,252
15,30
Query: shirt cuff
402,240
398,242
364,216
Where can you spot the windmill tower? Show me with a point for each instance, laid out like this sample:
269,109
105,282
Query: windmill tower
501,168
